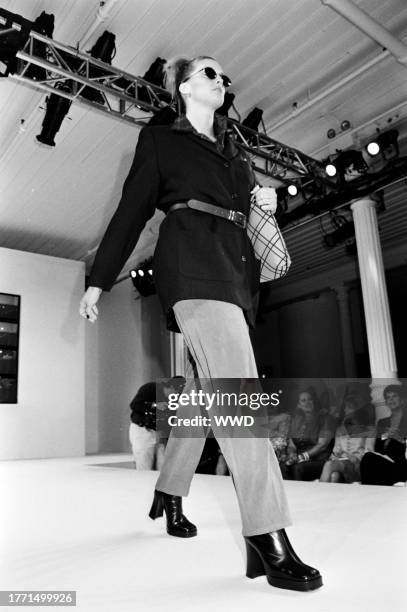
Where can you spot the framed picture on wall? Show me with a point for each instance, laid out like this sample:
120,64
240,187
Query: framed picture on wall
9,339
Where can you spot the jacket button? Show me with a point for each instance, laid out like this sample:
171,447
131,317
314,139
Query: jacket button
243,258
226,164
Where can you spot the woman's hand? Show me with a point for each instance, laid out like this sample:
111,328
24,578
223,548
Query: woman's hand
291,459
266,198
87,306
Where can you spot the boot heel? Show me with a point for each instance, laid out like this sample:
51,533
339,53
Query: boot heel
157,507
255,565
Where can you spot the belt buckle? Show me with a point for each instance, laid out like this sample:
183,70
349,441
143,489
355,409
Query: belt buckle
238,218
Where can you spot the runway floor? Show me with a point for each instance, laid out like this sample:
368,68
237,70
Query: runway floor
81,524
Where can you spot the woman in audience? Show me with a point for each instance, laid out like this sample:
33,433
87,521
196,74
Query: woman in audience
387,464
311,439
352,439
279,424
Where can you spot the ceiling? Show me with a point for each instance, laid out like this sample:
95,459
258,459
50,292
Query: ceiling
282,55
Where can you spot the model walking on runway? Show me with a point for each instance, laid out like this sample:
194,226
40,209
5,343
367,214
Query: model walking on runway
207,280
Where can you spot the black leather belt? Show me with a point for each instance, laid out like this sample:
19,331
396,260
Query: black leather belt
238,218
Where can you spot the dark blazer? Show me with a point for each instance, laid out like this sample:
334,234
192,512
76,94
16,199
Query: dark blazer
143,406
394,448
197,255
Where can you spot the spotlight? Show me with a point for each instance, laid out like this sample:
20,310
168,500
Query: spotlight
373,148
388,143
330,169
344,229
12,41
253,119
155,76
44,24
350,165
104,49
292,189
57,108
227,103
142,278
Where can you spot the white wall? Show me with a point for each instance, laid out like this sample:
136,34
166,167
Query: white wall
49,418
127,347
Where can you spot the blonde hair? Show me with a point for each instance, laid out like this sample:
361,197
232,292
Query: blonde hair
176,70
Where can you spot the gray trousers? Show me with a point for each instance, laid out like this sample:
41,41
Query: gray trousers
217,336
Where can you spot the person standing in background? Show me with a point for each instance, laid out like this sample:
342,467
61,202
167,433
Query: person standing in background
148,449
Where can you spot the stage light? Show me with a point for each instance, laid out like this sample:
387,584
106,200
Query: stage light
227,103
292,190
350,165
155,76
330,169
104,50
388,143
373,148
143,278
57,108
344,229
44,24
345,125
253,119
331,133
12,41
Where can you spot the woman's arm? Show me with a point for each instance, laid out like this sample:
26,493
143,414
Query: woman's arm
136,207
316,449
337,450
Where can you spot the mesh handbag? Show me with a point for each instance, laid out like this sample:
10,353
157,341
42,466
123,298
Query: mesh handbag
268,243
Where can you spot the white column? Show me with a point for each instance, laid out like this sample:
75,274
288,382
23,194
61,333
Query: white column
342,297
178,355
375,301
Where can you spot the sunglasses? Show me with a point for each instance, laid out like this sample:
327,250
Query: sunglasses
211,73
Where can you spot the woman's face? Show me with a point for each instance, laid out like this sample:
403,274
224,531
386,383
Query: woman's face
305,402
393,400
200,89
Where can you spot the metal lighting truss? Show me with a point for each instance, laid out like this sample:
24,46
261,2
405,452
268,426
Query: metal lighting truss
68,72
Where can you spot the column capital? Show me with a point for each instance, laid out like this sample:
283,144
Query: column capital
365,202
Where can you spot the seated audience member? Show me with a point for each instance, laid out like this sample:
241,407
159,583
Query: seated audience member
353,438
279,424
311,440
148,449
387,464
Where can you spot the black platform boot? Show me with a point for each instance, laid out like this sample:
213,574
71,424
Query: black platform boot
272,555
177,524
